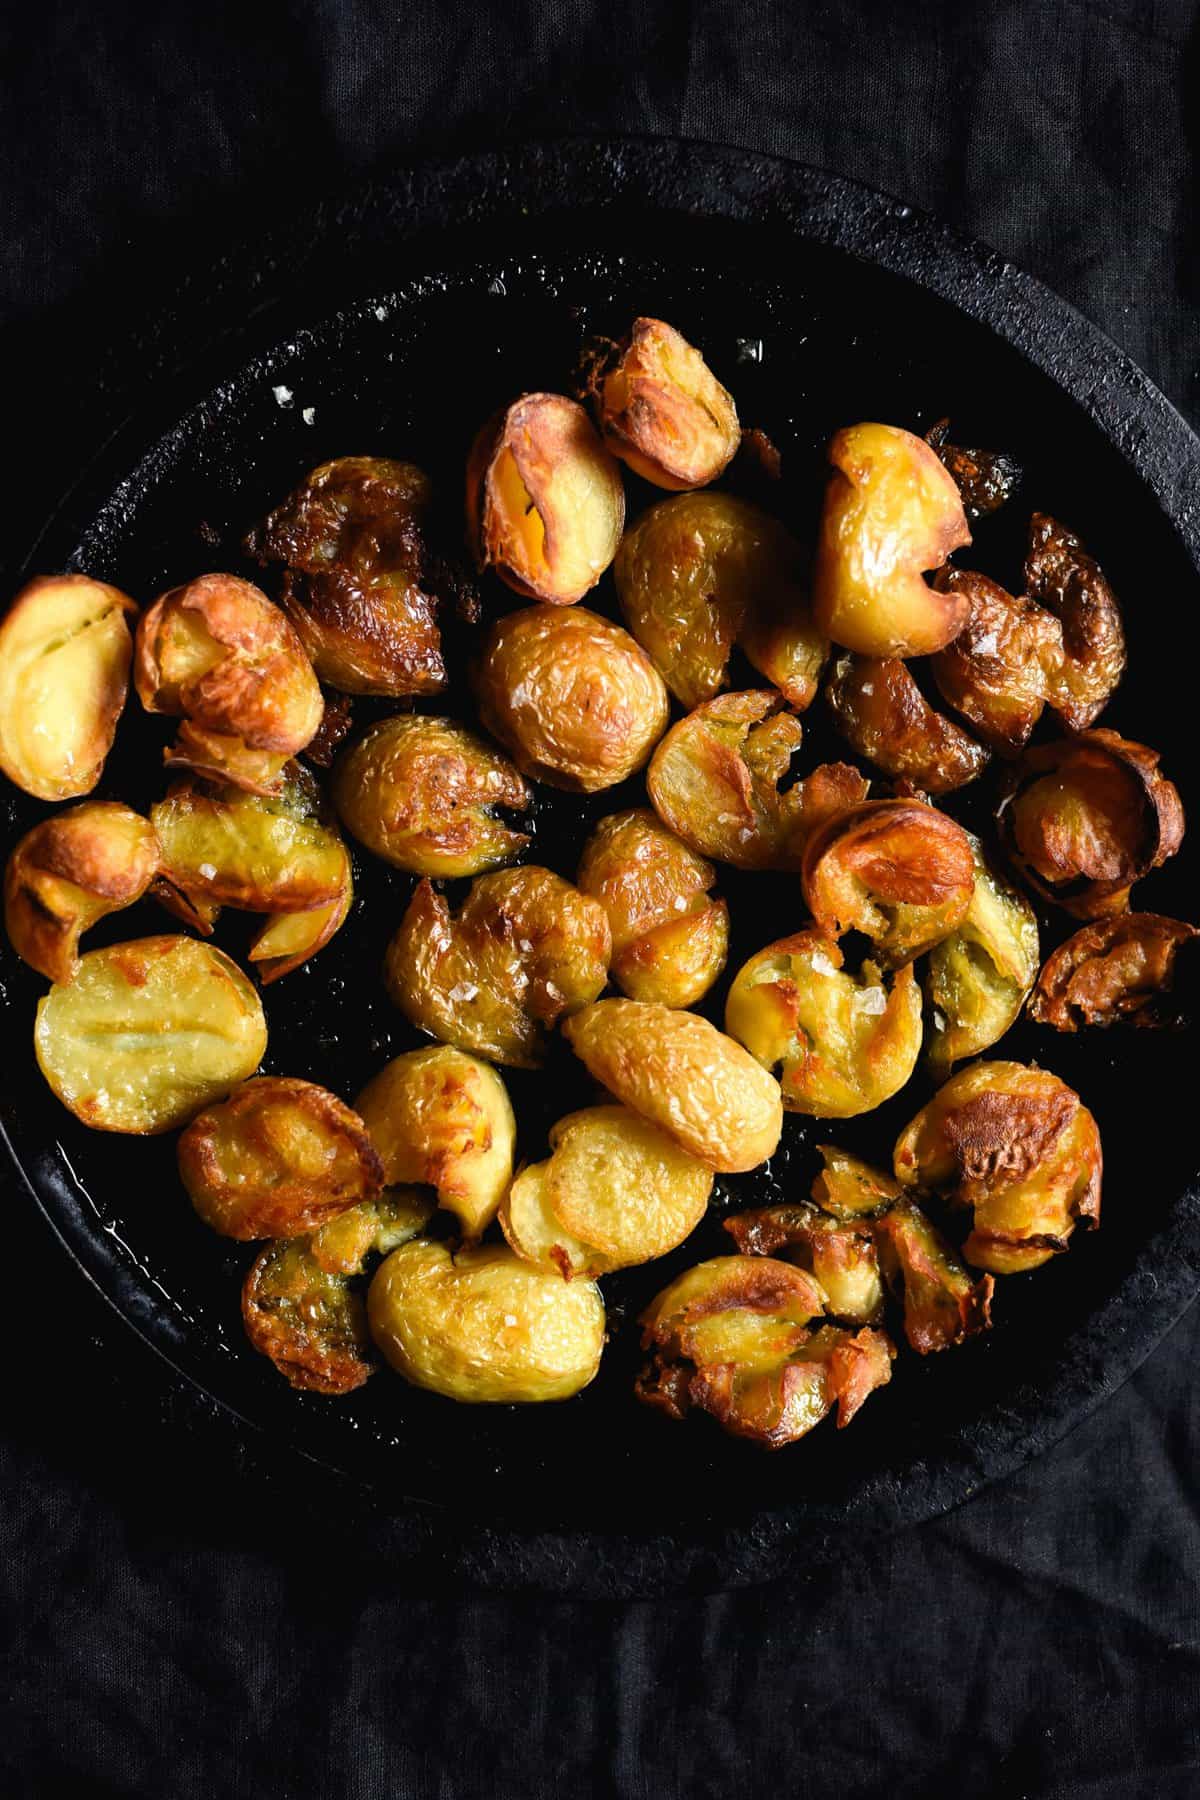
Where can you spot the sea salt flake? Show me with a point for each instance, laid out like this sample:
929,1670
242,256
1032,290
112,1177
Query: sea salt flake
874,1001
283,395
309,415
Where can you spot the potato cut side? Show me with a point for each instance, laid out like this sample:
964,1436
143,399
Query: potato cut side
619,1182
532,1230
243,850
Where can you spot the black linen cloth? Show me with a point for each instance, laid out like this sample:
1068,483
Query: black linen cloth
177,1619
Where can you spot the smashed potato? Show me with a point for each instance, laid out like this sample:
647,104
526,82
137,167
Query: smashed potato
525,948
1115,969
1000,669
1061,575
306,1319
942,1305
423,794
985,479
536,1235
662,410
289,938
848,1188
483,1326
896,870
148,1033
545,504
64,674
891,512
682,1074
882,713
978,977
840,1254
69,872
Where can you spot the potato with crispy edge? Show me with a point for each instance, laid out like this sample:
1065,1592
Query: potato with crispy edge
1070,584
621,1183
684,1075
147,1033
942,1305
661,409
898,871
1001,668
669,936
985,479
218,654
545,504
443,1119
840,1254
423,794
573,697
849,1189
883,715
977,979
535,1234
65,650
842,1043
68,873
1116,969
484,1327
525,948
288,939
891,512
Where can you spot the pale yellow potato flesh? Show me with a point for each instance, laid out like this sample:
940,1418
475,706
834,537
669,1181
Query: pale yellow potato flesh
622,1184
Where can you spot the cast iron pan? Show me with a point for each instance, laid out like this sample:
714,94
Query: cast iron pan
393,323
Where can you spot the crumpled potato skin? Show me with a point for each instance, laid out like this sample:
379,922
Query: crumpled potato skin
662,410
573,698
1003,666
421,793
69,872
839,1254
898,871
891,512
65,651
351,545
985,479
883,715
306,1319
1115,970
977,979
684,1075
1070,584
484,1327
942,1304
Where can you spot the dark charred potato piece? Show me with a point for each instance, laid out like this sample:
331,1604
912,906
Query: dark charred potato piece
1116,969
422,793
545,504
337,721
977,979
350,543
1085,818
984,478
575,700
842,1256
1002,666
1065,579
662,410
896,870
883,714
942,1305
64,674
217,653
891,512
849,1189
69,872
525,948
288,939
306,1319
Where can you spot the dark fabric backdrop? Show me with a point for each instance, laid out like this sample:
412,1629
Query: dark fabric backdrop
178,1620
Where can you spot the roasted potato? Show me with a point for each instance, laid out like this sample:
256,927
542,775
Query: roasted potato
372,1228
977,979
525,948
942,1305
849,1189
842,1043
545,504
350,543
443,1119
307,1319
1086,817
669,936
662,410
69,872
1001,668
422,793
1070,584
896,870
64,674
985,479
484,1326
1116,969
684,1075
148,1033
538,1236
840,1254
288,939
882,713
891,512
577,702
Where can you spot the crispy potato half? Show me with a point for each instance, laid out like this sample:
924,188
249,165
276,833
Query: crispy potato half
1113,970
898,871
661,409
65,650
1061,575
942,1304
977,979
882,713
1001,668
307,1319
892,511
147,1033
484,1326
289,938
681,1073
545,504
840,1254
985,479
69,872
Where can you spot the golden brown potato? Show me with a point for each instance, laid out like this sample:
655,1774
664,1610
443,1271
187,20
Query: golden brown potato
1064,578
850,1189
896,870
288,939
883,714
545,504
840,1254
1002,666
891,512
1085,818
842,1044
69,872
985,479
1116,969
422,793
443,1119
1015,1144
977,979
715,782
64,674
661,409
669,937
684,1075
306,1319
942,1305
537,1235
571,695
372,1228
149,1032
350,541
525,948
483,1326
217,653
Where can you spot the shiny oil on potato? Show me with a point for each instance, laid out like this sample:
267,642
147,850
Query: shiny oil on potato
306,1319
1000,669
896,870
1115,969
883,715
977,979
662,410
68,873
288,939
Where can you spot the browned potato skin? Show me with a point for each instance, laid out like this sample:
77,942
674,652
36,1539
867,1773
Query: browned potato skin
891,512
525,948
1115,970
986,479
312,874
1002,666
1071,585
942,1305
897,870
1086,817
840,1254
306,1319
350,541
278,1158
69,872
883,714
301,934
662,410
